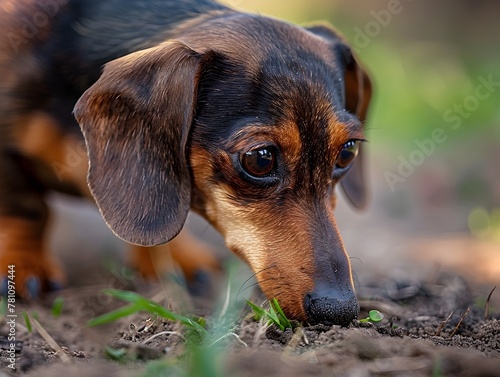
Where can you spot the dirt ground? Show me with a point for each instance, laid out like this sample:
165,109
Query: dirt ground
431,328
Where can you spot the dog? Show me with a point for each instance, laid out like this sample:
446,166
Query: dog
247,120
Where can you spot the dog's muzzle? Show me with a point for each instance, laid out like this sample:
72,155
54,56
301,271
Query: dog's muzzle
331,308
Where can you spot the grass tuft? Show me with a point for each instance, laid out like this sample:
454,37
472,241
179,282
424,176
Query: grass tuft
138,304
274,315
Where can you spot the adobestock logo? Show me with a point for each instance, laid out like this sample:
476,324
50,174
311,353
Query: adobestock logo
455,116
31,24
460,111
380,20
73,158
408,164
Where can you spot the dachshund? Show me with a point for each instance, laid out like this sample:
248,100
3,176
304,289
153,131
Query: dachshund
247,120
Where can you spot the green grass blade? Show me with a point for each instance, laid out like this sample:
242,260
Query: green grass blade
127,296
257,310
140,303
154,308
27,320
283,318
273,316
57,306
150,306
114,315
119,354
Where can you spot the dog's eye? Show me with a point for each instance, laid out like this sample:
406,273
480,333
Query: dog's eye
348,154
259,162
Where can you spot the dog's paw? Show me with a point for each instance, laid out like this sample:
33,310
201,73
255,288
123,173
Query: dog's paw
201,283
28,274
195,259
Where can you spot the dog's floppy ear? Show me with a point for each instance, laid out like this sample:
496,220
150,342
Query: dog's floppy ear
136,119
358,90
357,94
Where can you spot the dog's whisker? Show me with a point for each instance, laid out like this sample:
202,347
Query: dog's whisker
254,275
206,228
256,284
356,258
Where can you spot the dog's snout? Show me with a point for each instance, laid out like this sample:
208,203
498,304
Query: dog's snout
332,300
331,308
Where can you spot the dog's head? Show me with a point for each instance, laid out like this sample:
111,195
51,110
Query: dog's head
251,122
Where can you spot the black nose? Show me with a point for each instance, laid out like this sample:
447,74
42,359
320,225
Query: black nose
330,308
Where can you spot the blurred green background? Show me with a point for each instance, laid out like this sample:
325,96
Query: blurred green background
426,59
423,55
